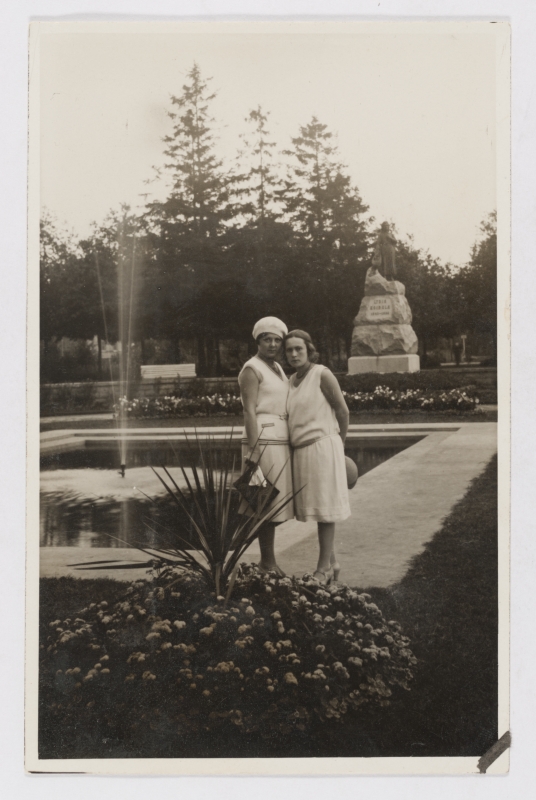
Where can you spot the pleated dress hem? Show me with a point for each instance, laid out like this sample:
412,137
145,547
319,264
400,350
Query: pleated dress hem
329,515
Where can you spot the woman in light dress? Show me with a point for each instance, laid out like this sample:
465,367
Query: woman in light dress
264,390
318,424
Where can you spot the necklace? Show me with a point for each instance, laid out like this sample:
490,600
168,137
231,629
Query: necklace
270,366
299,378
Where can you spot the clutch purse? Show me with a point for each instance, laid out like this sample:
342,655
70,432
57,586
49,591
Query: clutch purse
256,490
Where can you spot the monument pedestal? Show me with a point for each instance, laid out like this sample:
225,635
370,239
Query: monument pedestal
383,339
397,363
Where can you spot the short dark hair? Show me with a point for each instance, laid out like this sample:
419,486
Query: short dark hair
311,349
261,336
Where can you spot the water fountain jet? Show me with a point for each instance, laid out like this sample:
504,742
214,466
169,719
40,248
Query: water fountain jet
125,299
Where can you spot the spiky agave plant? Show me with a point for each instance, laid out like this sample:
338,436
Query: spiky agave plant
211,535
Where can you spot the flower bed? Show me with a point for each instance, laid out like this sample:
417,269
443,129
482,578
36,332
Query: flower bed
229,404
171,406
282,654
412,399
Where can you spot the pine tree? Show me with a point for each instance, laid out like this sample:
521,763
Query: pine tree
260,244
188,228
260,183
328,216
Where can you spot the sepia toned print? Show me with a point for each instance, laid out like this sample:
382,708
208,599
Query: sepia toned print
266,527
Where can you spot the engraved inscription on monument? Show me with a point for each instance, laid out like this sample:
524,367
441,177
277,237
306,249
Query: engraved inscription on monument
379,309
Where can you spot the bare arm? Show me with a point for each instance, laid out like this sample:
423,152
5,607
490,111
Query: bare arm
333,394
249,391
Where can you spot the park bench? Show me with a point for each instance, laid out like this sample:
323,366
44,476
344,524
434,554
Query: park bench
152,372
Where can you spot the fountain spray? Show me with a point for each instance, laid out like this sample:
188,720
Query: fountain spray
125,280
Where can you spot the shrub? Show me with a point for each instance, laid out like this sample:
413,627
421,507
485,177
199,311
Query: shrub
209,517
75,366
281,655
411,399
67,398
193,388
428,380
381,397
488,396
183,406
430,361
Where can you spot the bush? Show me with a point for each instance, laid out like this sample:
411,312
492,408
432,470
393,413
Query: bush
411,399
488,396
185,406
67,398
73,367
430,361
283,654
381,397
428,380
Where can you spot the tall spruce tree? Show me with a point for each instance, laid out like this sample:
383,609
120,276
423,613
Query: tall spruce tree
331,247
191,276
261,243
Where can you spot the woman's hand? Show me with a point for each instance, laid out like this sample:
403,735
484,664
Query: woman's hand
252,454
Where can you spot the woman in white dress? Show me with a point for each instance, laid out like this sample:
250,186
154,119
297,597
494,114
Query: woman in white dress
318,424
264,391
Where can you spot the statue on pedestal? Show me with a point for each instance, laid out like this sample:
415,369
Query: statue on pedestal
383,339
384,253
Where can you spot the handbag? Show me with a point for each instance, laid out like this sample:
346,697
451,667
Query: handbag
351,472
256,490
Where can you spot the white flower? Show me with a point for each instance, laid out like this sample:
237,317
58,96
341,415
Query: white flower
290,678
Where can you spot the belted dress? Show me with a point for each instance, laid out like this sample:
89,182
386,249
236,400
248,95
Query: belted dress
317,452
273,447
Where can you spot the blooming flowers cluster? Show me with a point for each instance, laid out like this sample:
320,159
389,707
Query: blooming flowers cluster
170,406
411,399
279,654
229,404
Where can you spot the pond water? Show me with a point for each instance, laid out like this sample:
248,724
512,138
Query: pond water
86,503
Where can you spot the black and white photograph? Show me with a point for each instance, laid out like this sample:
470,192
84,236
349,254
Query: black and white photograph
268,371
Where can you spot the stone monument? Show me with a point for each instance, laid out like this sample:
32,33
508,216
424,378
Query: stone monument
383,339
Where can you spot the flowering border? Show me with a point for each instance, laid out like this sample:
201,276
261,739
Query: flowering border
230,405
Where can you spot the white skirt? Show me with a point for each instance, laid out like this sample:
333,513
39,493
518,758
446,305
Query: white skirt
319,471
276,464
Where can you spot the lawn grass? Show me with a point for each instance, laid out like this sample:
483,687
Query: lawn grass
362,418
447,604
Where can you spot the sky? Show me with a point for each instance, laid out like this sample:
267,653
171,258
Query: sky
413,108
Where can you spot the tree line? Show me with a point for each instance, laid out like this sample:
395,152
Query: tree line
230,243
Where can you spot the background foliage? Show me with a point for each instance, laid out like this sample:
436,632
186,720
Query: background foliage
271,232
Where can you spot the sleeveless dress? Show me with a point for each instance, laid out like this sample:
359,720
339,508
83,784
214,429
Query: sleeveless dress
273,445
318,465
